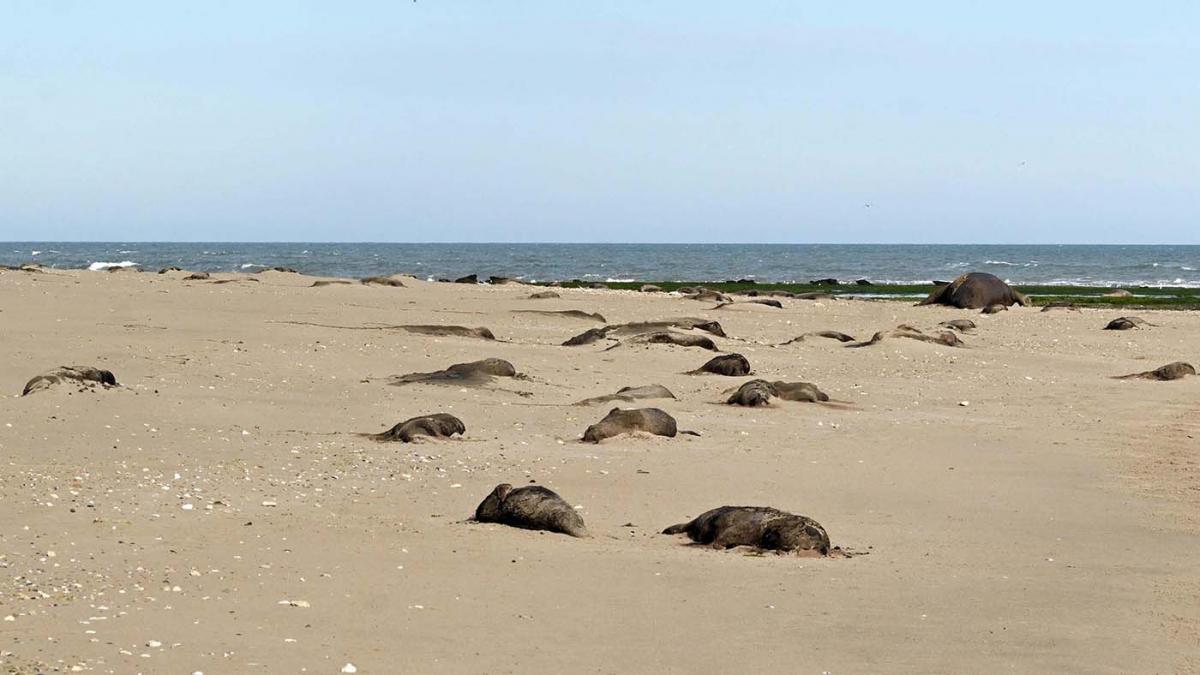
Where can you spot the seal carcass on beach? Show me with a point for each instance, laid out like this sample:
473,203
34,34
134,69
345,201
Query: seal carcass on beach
976,290
532,507
762,527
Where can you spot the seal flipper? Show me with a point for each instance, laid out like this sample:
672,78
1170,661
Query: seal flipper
676,529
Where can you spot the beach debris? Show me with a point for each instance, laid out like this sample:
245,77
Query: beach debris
544,295
532,507
761,527
1118,293
437,425
650,288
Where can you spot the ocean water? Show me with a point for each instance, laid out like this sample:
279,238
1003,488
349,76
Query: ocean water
1060,265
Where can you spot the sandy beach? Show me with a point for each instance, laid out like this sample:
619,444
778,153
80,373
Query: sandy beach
1009,507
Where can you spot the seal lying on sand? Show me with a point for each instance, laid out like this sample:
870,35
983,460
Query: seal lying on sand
960,325
759,526
630,394
448,331
975,290
640,327
532,507
732,365
330,282
437,425
1126,323
569,313
469,279
617,422
666,337
831,334
756,301
587,337
1171,371
759,392
84,375
382,281
1069,306
198,276
946,338
994,309
544,295
473,373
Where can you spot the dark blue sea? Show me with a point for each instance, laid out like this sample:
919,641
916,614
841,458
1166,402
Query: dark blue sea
1065,264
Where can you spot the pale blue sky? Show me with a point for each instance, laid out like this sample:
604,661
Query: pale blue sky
504,120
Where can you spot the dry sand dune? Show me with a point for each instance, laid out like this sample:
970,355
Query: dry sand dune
219,513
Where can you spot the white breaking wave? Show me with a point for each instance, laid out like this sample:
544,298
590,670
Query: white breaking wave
249,265
101,266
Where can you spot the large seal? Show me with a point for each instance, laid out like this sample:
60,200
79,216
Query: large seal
84,375
617,422
975,290
437,425
730,365
758,526
532,507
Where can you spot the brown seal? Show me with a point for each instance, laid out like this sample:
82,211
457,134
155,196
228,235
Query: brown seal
946,338
544,295
198,276
831,334
759,392
382,281
439,330
532,507
1171,371
960,325
666,337
730,365
437,425
330,282
1126,323
568,313
473,373
759,526
617,422
994,309
84,375
975,290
